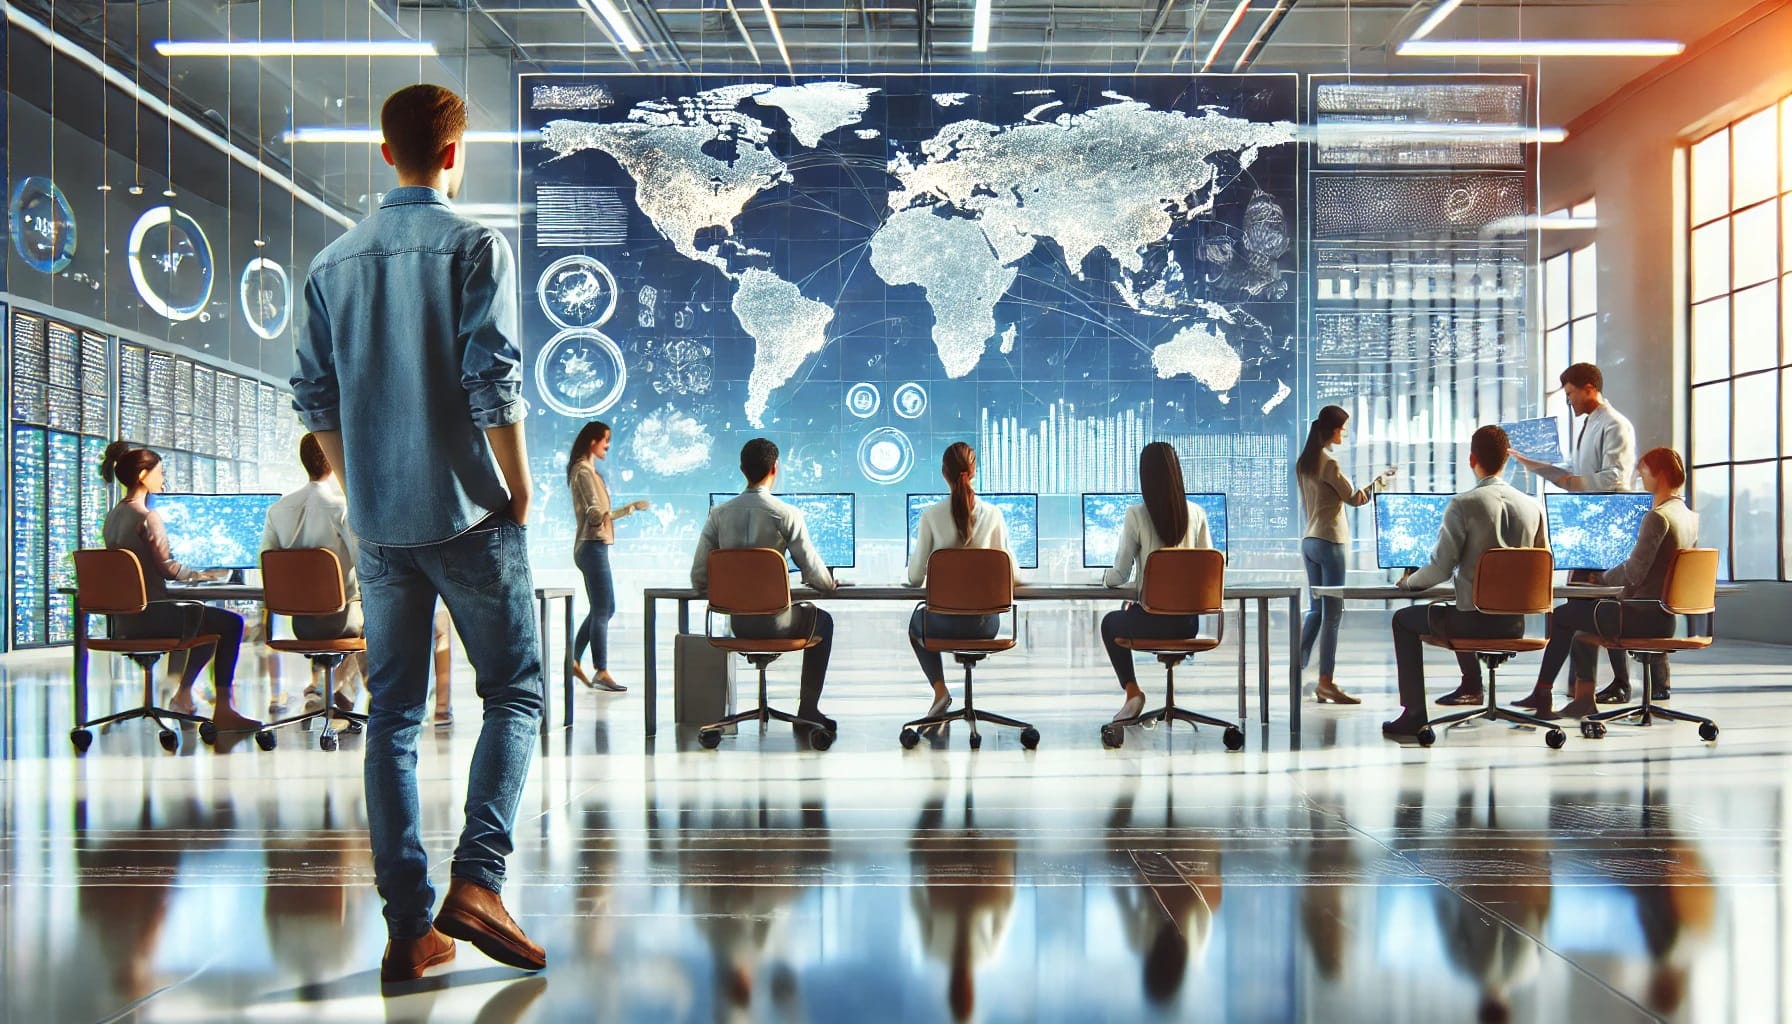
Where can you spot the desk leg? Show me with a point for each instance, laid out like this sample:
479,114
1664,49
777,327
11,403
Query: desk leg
541,640
80,668
650,670
1294,688
1244,710
684,615
1263,659
566,661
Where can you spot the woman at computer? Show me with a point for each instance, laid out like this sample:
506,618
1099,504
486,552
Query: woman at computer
132,526
1165,519
1669,527
594,534
1324,492
961,521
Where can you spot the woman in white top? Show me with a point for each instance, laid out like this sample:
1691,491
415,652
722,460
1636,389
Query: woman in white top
961,521
1165,512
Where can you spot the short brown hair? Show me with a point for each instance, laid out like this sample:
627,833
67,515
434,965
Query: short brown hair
419,121
1584,375
1666,464
312,457
1490,447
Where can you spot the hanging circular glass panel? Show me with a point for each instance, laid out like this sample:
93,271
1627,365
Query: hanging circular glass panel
43,225
266,294
171,263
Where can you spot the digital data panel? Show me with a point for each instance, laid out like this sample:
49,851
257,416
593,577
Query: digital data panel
30,576
214,531
1020,513
1406,528
1539,438
1594,531
1104,515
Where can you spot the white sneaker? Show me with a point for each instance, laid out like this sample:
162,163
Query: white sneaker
1133,707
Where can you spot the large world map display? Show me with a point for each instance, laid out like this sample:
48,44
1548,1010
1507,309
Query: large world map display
868,268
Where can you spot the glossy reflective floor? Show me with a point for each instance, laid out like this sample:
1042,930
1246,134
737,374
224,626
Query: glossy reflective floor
1488,878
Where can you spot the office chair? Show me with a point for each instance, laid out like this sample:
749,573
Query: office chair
110,582
308,581
1690,588
753,581
1508,581
1185,582
969,581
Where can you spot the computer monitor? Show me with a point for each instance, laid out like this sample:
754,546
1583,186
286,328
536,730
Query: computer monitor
214,531
831,519
1019,511
1104,514
1406,528
1594,531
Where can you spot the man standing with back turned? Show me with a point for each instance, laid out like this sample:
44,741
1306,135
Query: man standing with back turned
409,373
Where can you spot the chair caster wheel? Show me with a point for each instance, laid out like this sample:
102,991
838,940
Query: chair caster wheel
976,741
170,741
909,738
266,740
821,739
327,741
1555,738
1708,731
1029,738
208,733
1426,736
1112,736
82,739
710,739
354,726
1593,730
1233,738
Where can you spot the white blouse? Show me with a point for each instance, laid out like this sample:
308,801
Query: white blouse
938,530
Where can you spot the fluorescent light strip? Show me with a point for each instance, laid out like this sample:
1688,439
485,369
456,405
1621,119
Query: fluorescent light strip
373,136
1532,222
299,48
122,83
1434,19
778,35
1226,33
1542,48
611,15
980,27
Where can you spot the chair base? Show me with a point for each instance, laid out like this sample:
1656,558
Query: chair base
1646,712
82,734
326,740
1113,734
710,736
1553,734
968,714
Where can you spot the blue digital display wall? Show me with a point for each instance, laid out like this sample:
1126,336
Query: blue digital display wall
1055,268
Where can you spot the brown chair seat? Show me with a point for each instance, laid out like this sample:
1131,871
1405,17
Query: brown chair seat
990,646
152,645
346,645
1514,645
770,645
1653,645
1191,645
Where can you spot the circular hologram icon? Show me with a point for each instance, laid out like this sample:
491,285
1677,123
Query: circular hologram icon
43,225
577,291
886,455
171,263
909,400
862,399
266,294
580,373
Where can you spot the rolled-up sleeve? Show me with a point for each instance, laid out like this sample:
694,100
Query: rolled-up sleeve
492,369
316,394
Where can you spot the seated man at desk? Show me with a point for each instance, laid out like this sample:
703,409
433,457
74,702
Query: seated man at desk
758,520
1492,514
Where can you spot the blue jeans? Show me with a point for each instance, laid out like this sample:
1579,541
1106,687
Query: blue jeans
593,559
1325,568
946,627
483,577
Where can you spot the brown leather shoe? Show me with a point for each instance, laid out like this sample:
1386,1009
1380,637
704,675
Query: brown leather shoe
407,959
1327,692
476,914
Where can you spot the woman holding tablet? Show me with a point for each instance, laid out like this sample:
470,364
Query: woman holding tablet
132,526
961,521
1324,493
1165,519
595,533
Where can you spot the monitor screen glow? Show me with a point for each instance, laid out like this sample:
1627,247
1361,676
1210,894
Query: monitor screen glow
1020,512
831,520
1594,531
214,531
1104,515
1406,528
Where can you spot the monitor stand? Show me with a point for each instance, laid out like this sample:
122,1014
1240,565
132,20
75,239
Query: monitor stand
236,578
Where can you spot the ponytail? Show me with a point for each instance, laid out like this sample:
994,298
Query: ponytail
958,465
125,465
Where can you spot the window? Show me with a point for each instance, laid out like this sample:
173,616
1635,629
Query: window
1740,341
1570,309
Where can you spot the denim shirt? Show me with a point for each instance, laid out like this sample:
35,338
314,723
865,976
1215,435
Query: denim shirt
408,345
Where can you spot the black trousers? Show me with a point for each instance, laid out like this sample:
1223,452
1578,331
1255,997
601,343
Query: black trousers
797,622
1419,620
1640,619
166,620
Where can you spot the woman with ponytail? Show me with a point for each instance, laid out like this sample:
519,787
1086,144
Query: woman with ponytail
1164,519
594,534
132,526
961,521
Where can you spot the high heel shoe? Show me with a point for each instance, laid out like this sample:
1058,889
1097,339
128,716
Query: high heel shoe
1327,692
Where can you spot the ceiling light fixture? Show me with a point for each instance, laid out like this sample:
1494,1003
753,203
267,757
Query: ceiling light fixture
373,136
1434,19
980,27
777,35
298,48
1542,48
1226,34
607,13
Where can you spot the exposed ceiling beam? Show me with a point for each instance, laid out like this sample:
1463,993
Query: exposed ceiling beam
1264,31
